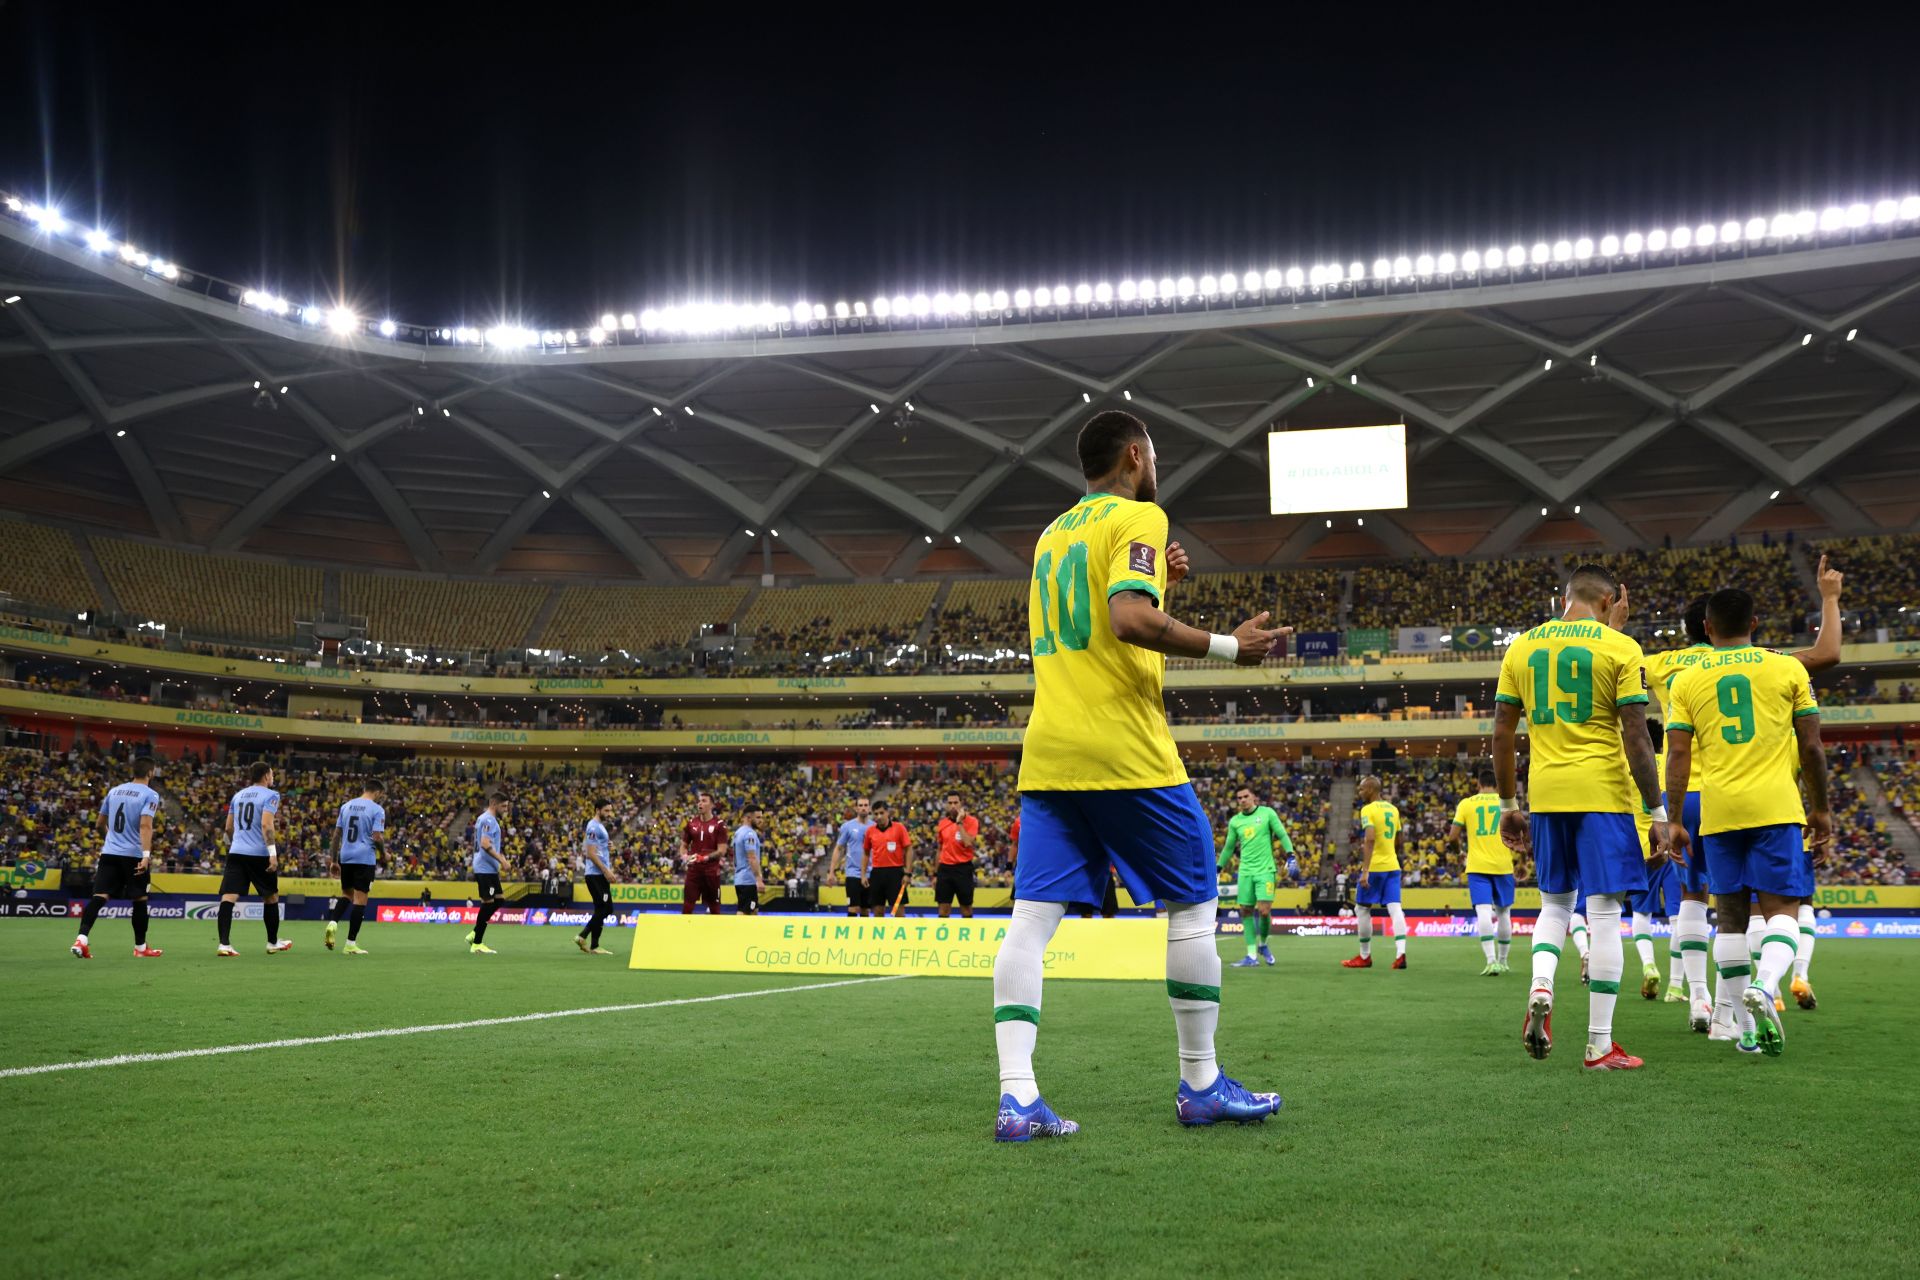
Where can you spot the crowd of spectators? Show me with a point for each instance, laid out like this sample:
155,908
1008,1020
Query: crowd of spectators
1883,581
1514,593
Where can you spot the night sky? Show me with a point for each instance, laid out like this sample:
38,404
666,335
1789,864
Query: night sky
449,166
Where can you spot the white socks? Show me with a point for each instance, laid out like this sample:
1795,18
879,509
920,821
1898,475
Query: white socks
1643,937
1017,973
1756,930
1483,913
1365,917
1399,928
1690,938
1193,988
1730,957
1502,934
1549,935
1777,946
1578,930
1804,956
1605,963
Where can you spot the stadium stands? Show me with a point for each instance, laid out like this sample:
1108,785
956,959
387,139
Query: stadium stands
1304,599
1660,583
1515,593
596,620
981,617
214,595
42,566
423,612
822,620
1883,580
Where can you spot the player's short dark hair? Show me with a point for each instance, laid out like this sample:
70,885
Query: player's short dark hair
258,770
707,794
1730,610
881,804
496,797
1592,581
1694,619
1487,778
603,802
1104,438
374,786
143,766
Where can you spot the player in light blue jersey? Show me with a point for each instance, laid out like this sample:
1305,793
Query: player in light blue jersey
358,833
596,864
126,858
747,884
489,853
253,859
850,851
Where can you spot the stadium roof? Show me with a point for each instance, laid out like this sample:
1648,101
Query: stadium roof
1605,401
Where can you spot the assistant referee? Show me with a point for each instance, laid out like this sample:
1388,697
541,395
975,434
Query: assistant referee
887,862
959,837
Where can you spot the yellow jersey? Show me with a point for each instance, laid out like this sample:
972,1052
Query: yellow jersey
1479,815
1098,723
1571,679
1382,822
1740,705
1664,668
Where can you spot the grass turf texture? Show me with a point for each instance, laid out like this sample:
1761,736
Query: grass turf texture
847,1131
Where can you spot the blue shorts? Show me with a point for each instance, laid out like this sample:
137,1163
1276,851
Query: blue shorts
1663,881
1157,838
1693,872
1762,859
1381,888
1495,891
1587,853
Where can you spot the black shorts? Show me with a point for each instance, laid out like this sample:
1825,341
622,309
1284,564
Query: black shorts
356,876
748,897
489,882
883,887
116,878
597,890
953,880
856,893
248,869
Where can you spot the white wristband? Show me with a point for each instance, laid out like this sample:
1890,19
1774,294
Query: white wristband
1658,813
1223,648
1509,803
272,852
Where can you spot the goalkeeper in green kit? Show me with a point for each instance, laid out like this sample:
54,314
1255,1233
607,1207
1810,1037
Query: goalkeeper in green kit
1252,834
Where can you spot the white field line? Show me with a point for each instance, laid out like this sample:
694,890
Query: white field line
126,1059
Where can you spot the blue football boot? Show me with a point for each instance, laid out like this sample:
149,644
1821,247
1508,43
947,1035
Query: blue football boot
1226,1099
1023,1124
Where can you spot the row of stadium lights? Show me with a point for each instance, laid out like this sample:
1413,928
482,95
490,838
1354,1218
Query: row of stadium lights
1226,288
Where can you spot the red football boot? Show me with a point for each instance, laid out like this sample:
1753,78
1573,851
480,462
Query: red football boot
81,951
1614,1059
1400,962
148,953
1357,962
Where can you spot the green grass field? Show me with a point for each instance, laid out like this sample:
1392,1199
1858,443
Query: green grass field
846,1132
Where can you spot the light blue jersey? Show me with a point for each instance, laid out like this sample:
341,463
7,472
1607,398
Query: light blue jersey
123,808
853,838
360,820
249,805
595,838
486,827
746,844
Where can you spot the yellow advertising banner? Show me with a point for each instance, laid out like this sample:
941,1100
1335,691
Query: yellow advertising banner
1134,949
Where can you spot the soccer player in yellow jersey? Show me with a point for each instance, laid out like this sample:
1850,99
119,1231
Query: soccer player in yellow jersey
1100,781
1476,823
1383,838
1582,688
1689,877
1749,717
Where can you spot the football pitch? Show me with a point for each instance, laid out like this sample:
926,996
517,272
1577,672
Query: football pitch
845,1130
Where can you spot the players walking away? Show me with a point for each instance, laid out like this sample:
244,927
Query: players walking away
1476,822
1101,782
1746,718
849,856
888,847
953,878
597,866
357,834
1385,838
126,858
253,859
1583,690
747,882
700,842
1251,836
488,853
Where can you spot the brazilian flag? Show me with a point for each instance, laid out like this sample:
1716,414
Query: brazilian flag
1472,638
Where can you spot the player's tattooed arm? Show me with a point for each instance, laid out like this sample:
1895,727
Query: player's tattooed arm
1506,732
1640,761
1138,621
1813,767
1826,649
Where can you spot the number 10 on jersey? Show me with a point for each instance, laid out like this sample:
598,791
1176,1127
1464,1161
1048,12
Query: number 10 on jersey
1066,611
